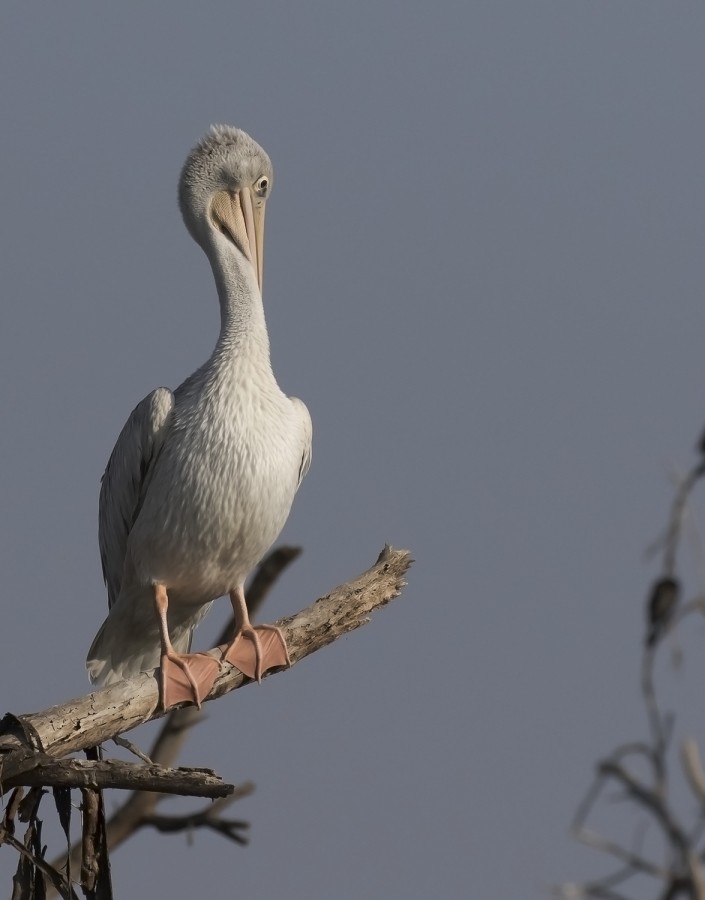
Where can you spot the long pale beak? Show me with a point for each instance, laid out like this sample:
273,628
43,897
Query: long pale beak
241,217
253,210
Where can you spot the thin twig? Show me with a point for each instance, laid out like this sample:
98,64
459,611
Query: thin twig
132,748
208,817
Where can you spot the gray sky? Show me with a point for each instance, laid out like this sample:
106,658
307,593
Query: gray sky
484,275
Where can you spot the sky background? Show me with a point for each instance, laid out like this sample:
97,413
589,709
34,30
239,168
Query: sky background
484,275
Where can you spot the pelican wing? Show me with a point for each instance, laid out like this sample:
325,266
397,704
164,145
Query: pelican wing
307,435
124,482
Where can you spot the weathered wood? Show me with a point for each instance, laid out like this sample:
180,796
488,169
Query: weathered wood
99,715
114,773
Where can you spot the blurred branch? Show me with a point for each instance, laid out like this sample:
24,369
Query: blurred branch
671,537
631,858
208,817
650,800
681,873
693,768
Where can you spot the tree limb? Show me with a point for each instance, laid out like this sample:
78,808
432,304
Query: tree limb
96,717
114,773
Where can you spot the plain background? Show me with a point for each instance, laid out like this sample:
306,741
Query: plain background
484,275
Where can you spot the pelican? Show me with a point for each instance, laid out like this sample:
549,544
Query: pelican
201,479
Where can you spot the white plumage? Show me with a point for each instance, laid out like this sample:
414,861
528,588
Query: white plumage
201,480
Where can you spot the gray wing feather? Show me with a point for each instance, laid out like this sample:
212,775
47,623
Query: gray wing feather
126,476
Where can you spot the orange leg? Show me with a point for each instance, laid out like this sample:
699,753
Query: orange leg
184,677
255,648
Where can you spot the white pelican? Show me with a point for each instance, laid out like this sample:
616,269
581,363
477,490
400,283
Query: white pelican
202,479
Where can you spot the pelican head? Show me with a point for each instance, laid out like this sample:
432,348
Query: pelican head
223,188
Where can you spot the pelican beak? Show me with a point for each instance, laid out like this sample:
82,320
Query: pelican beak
253,214
240,216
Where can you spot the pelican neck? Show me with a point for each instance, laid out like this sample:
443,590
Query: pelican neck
243,329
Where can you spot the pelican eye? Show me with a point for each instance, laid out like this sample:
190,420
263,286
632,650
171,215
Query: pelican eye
262,186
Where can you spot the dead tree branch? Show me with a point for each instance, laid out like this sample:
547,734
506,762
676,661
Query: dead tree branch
107,712
114,773
96,717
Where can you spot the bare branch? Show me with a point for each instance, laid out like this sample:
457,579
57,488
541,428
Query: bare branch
670,540
96,717
114,773
208,817
132,748
656,804
648,799
593,839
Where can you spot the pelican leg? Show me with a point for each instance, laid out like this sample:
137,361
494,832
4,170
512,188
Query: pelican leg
255,648
183,677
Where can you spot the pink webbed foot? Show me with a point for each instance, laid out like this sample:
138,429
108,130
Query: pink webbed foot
186,678
257,649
